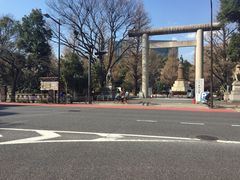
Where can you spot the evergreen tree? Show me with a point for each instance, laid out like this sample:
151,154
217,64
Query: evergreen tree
12,61
230,13
33,39
73,73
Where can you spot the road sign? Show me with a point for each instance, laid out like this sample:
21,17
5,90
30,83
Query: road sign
199,88
203,96
49,85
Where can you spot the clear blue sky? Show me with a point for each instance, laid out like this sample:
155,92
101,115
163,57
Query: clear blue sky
161,12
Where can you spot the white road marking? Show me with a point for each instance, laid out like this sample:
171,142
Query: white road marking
235,125
103,137
109,137
189,123
105,140
228,142
150,121
46,135
0,135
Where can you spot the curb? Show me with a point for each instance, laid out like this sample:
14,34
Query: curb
126,106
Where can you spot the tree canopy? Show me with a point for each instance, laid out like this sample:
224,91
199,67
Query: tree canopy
73,73
11,60
33,41
230,13
97,25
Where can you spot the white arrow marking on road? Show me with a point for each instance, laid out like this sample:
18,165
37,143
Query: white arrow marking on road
104,137
45,134
109,137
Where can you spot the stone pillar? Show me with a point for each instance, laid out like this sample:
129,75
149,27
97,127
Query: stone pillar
199,83
199,55
145,52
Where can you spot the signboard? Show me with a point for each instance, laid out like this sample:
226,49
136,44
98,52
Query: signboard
203,96
49,85
150,92
199,88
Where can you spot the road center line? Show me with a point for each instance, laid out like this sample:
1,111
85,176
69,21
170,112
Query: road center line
190,123
235,125
150,121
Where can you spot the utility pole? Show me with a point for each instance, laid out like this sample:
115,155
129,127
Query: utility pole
59,51
211,89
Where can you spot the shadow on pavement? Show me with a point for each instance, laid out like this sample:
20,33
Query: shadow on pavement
4,113
7,113
9,125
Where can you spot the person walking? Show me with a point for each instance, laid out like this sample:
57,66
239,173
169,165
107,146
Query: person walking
122,95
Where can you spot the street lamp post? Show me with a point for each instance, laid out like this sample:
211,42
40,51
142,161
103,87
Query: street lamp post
59,30
89,80
211,89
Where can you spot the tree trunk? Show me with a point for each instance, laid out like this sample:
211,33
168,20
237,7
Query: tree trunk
13,91
101,72
15,73
135,85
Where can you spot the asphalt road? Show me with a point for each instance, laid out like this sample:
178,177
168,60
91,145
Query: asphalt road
90,143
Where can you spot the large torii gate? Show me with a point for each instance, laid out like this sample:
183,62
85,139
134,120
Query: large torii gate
198,28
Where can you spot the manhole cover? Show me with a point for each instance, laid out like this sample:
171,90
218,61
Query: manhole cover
74,110
207,138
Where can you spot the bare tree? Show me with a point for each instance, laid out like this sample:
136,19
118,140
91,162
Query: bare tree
169,72
79,31
119,16
140,22
97,25
156,63
221,63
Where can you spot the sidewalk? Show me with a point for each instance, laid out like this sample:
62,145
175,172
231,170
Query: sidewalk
227,105
146,104
160,102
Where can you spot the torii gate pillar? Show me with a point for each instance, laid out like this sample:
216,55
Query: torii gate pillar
145,52
199,55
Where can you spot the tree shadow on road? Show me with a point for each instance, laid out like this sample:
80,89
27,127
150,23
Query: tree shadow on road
5,113
9,125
